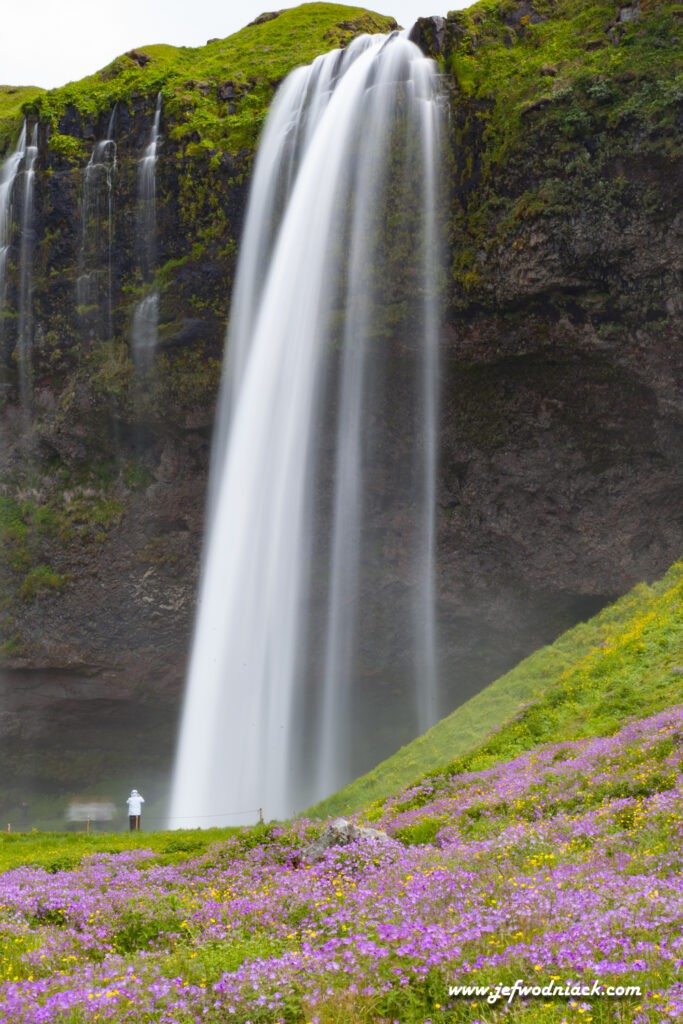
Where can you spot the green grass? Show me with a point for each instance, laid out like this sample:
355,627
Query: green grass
12,100
622,663
500,49
586,69
63,851
192,79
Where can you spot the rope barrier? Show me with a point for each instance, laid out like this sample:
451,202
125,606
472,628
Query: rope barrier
203,817
166,820
222,814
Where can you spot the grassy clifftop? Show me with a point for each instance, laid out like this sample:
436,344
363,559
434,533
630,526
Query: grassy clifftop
626,662
567,54
216,95
12,100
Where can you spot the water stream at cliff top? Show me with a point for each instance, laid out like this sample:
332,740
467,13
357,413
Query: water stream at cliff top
315,636
146,313
94,284
26,254
8,175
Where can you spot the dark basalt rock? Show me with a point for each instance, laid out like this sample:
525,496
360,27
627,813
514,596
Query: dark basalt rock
429,34
140,58
522,14
267,16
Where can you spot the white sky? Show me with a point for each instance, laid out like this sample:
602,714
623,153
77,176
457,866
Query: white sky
51,42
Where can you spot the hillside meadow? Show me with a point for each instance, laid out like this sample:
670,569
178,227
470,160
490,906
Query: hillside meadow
554,865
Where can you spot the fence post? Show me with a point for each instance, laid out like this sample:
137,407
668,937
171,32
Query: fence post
87,826
260,815
9,826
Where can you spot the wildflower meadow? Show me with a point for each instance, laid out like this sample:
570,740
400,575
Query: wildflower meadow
558,869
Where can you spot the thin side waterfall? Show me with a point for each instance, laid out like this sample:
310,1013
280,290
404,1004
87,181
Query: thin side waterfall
314,651
146,314
8,175
25,327
94,285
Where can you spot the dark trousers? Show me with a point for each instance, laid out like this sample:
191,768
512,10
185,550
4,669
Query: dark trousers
134,822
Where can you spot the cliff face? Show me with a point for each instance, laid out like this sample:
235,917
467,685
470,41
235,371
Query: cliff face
561,473
562,421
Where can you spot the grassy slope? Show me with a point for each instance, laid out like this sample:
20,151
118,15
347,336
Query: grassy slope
12,99
252,60
624,662
562,864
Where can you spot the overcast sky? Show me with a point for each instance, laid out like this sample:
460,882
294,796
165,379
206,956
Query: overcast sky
48,43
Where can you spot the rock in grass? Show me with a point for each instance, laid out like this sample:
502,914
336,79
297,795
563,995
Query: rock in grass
339,832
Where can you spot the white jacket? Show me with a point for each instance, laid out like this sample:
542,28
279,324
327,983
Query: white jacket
135,802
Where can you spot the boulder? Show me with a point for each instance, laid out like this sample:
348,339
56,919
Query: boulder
339,832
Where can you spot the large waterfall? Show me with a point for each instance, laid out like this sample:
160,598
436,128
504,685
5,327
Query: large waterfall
315,634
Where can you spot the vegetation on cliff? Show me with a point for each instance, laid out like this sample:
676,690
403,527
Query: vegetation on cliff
564,109
93,421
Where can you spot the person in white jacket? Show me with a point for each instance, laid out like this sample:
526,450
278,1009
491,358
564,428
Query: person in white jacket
135,802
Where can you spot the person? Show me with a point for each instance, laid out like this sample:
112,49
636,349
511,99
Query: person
135,802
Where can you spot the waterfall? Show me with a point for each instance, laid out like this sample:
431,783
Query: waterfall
94,285
294,113
25,327
316,606
146,313
8,175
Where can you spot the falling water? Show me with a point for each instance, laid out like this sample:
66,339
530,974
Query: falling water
94,285
8,175
294,114
25,328
146,313
317,590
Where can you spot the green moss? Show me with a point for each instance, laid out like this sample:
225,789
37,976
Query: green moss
187,379
41,580
67,146
12,646
35,532
14,533
112,374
